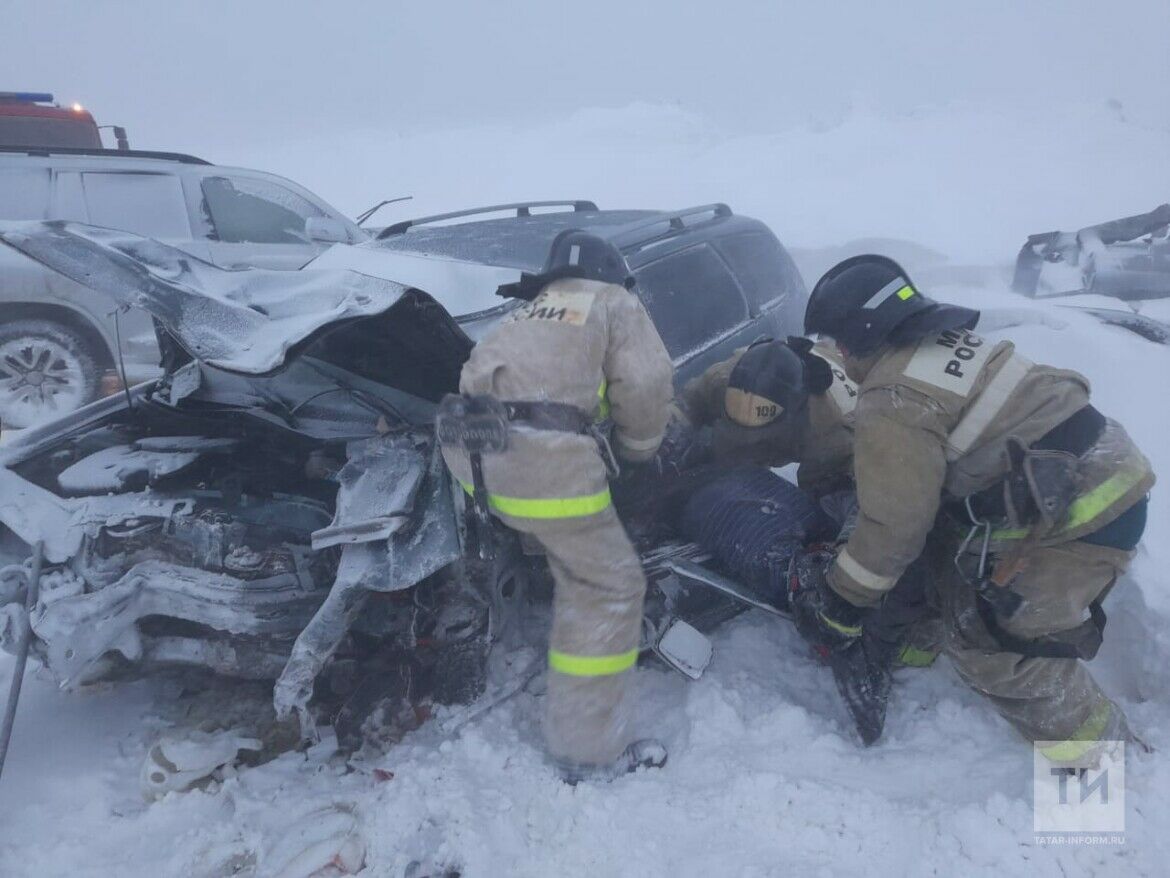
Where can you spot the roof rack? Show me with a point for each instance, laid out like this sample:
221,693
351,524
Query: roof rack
46,151
522,208
635,235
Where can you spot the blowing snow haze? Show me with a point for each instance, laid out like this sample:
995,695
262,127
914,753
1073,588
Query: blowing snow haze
939,133
210,76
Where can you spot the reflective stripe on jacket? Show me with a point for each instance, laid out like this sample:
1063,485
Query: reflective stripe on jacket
590,345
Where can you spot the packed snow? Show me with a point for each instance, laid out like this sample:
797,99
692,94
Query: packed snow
764,776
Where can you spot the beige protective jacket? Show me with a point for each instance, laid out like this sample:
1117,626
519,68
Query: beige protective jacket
933,419
588,344
823,447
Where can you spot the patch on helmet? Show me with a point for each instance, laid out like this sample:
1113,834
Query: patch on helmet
899,288
750,409
559,307
951,360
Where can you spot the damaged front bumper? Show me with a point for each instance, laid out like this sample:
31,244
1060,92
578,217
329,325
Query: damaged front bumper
150,578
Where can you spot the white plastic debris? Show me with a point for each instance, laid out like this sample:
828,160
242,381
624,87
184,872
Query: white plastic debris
324,842
178,762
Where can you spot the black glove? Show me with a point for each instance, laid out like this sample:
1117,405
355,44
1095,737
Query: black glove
862,672
823,618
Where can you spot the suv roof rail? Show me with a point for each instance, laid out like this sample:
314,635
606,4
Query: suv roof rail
46,151
522,208
636,234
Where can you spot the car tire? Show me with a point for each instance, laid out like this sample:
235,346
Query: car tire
46,370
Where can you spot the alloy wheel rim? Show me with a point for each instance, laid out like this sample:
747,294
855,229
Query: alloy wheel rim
39,378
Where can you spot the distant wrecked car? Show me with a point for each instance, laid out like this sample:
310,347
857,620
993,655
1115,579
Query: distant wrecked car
1126,259
275,506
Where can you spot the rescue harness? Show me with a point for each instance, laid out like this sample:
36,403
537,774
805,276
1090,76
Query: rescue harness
1036,495
480,424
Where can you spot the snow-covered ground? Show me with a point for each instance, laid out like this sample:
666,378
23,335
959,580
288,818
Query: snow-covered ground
763,778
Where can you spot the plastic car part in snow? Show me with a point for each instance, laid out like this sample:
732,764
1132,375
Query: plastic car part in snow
177,762
685,649
325,841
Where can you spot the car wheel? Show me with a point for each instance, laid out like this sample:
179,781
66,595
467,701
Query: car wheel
46,370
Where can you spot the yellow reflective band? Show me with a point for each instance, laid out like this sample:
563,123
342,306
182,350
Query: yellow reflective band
1087,506
847,630
546,508
1010,533
591,665
1083,739
905,293
913,657
603,401
1091,504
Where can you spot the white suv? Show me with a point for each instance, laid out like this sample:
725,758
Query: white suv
60,340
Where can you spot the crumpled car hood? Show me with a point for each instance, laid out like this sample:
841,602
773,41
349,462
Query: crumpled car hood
242,320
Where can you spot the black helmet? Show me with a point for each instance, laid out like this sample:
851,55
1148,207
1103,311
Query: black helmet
767,383
867,301
574,253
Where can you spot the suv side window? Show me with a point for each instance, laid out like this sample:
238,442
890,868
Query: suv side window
244,210
692,298
763,267
24,194
151,205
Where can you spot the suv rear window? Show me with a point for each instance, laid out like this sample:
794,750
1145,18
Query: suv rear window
24,194
243,210
47,131
763,267
692,298
150,205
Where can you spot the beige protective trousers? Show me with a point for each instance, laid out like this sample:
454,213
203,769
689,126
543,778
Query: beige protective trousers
1045,699
593,646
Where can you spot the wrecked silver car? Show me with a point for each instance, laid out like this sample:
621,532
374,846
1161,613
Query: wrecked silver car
274,507
1125,259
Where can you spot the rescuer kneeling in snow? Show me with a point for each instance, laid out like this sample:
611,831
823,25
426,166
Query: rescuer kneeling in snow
1044,498
776,403
582,347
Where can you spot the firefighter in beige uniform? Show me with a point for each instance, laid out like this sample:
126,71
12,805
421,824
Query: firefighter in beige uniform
776,403
1027,467
583,344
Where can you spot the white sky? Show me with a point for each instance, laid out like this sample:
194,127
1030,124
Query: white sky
197,75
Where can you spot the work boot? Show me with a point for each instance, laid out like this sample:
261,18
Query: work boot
862,672
644,753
